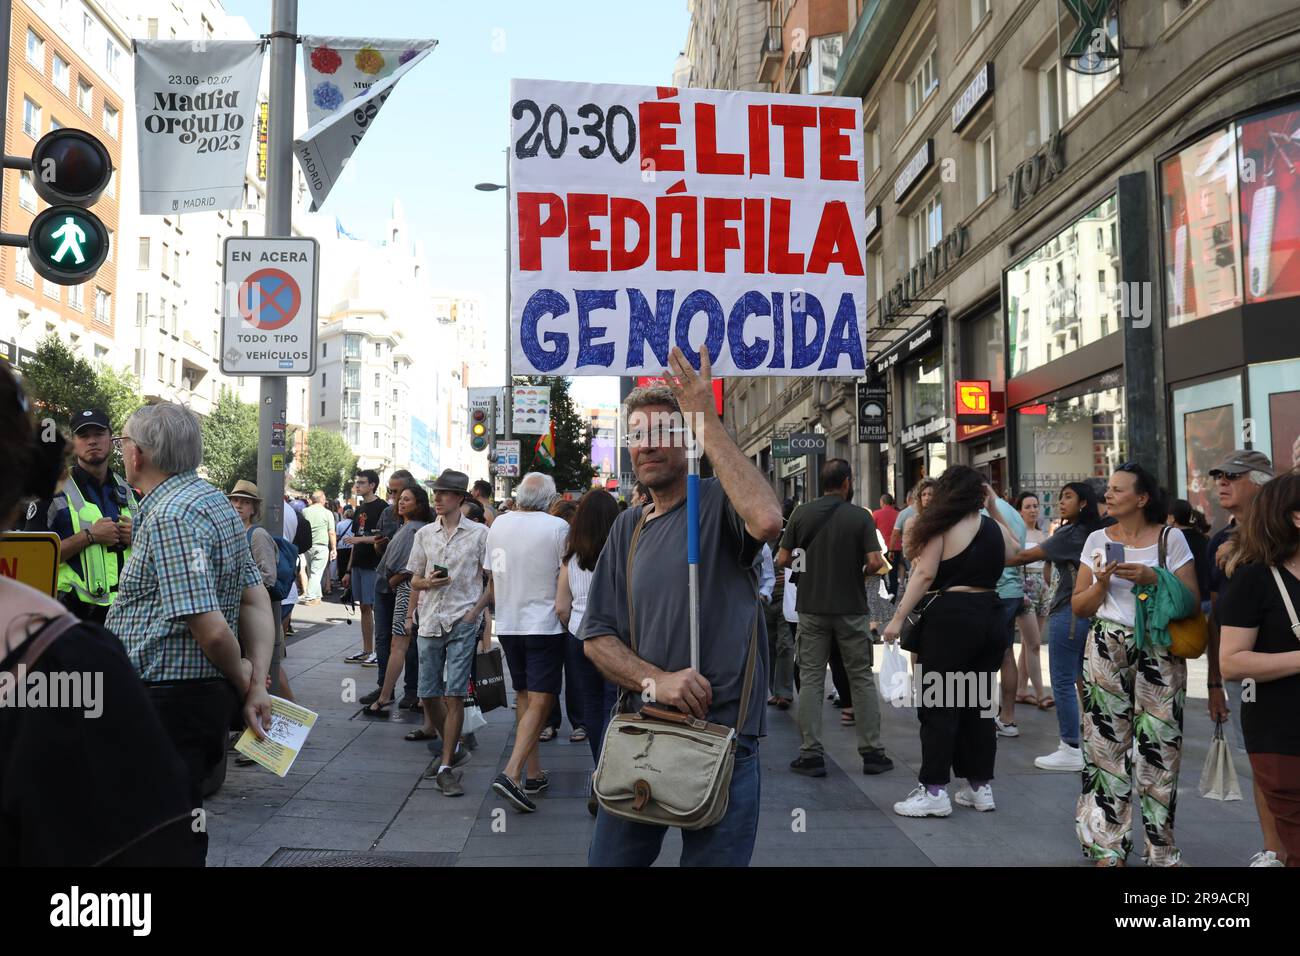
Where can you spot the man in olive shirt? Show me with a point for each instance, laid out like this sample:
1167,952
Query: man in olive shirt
838,550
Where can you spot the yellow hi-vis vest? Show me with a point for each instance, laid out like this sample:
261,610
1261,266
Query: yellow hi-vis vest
99,586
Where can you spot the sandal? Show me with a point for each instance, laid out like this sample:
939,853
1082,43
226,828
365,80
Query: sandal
1027,698
846,717
773,701
1047,703
783,703
578,736
378,710
548,733
420,734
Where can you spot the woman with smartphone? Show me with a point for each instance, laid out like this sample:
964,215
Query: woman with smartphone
1129,691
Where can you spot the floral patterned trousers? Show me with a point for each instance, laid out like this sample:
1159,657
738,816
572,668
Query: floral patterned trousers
1130,694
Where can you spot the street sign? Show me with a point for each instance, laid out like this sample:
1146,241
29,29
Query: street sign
872,406
508,458
277,462
807,443
66,244
268,323
31,558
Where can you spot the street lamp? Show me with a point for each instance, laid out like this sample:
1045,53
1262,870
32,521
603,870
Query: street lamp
510,378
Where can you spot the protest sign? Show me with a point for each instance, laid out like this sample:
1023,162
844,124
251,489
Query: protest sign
648,217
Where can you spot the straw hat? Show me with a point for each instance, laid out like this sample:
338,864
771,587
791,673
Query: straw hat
245,489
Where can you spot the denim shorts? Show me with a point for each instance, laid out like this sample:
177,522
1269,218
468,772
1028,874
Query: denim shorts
453,653
1011,608
536,661
363,585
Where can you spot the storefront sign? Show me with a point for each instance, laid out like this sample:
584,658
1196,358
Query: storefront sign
920,339
974,405
927,431
1091,48
873,223
807,443
790,467
974,94
873,404
919,163
1034,174
927,269
997,422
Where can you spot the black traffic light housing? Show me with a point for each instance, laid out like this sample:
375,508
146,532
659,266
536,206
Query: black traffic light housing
66,243
478,439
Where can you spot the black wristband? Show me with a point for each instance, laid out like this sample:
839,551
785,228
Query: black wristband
1213,686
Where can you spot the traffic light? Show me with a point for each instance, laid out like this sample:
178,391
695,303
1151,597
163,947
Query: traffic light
478,429
67,243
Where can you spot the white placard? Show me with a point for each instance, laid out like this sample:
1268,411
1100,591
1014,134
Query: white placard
196,104
325,148
647,217
268,321
508,457
532,409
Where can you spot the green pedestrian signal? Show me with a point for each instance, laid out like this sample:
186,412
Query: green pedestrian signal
67,244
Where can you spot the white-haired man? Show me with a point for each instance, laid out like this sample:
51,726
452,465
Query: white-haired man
187,594
1237,481
524,551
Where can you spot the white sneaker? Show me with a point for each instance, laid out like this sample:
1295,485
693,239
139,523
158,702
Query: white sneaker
1265,858
919,803
371,661
981,799
1065,758
1006,730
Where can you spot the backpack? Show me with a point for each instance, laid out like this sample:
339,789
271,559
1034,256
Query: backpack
286,566
302,534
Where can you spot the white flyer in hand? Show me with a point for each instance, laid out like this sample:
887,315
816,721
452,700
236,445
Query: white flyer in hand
290,725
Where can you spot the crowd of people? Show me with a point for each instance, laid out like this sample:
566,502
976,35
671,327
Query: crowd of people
177,594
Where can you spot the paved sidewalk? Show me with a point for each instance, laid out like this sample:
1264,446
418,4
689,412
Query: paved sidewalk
358,788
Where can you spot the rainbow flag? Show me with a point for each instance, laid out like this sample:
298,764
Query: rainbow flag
545,448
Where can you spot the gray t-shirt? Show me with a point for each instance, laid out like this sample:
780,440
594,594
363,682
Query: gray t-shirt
397,554
728,600
1063,549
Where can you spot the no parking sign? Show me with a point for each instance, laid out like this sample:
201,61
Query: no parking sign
268,324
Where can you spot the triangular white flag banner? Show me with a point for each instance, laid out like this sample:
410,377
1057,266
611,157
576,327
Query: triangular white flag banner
339,69
325,148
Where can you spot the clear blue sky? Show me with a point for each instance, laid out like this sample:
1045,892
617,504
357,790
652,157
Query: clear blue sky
446,127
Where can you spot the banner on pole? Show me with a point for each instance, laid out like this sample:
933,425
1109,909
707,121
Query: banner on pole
348,80
648,217
195,105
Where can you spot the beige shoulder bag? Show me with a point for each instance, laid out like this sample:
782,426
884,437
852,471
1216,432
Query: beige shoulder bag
664,767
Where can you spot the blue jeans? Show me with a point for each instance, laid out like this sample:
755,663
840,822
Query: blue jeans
598,697
574,658
1067,637
619,842
385,603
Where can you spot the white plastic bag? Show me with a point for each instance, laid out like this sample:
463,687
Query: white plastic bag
895,683
474,720
1219,776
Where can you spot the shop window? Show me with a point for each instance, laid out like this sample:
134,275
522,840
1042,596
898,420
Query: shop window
1053,305
923,387
1072,439
1207,427
1275,412
1270,204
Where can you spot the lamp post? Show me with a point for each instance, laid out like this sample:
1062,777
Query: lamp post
510,379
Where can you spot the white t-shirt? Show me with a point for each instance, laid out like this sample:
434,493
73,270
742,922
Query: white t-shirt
524,550
788,599
579,586
1120,605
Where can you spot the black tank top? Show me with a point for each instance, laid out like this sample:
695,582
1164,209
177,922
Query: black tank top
979,564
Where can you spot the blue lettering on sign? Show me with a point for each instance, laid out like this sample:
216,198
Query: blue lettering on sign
778,330
844,336
602,353
646,329
747,356
805,352
286,363
541,303
695,303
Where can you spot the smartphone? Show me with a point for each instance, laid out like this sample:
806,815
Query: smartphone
439,571
1114,552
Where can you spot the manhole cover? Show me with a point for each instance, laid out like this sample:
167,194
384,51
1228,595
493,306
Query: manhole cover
295,856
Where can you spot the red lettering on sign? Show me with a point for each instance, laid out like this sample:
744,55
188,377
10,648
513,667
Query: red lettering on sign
755,237
621,212
583,256
780,260
707,158
835,241
532,229
834,143
656,134
793,120
719,234
9,567
683,208
760,157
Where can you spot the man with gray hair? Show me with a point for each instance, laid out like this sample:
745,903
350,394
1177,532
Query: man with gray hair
524,550
188,594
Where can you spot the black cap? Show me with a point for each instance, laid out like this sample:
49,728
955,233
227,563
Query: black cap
91,416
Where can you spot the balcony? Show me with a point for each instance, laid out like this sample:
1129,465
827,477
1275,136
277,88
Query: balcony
769,56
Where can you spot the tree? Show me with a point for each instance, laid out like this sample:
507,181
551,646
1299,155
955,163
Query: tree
573,470
62,383
230,441
328,462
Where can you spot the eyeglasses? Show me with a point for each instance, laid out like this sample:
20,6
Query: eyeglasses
118,439
659,437
1217,475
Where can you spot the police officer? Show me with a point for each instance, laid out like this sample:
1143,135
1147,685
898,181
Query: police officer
92,515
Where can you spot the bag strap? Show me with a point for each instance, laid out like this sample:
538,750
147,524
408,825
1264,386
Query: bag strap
822,527
50,633
1286,599
1161,547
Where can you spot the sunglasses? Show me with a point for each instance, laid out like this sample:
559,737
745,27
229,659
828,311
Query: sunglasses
1217,475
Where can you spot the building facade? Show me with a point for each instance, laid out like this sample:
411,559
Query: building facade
68,67
1068,253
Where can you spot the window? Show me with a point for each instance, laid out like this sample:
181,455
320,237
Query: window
376,377
161,360
103,306
153,28
172,365
35,51
351,377
166,261
986,181
76,298
352,346
924,229
55,124
51,290
176,265
876,265
26,191
322,409
378,352
923,82
87,30
175,319
374,439
31,119
324,349
978,11
823,63
375,410
62,73
111,250
143,262
141,308
1063,92
872,145
112,56
110,121
85,96
23,267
